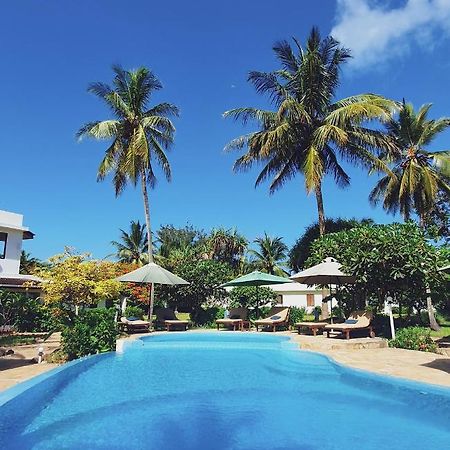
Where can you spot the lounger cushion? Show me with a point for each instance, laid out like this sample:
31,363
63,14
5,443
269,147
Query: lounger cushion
351,321
132,318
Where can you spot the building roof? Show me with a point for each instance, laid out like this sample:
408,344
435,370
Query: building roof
14,280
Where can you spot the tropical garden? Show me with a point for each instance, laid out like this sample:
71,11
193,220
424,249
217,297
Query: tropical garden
306,131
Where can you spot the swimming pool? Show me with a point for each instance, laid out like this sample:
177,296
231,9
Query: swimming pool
220,391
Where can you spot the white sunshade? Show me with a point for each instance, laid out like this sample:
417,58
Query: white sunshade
327,272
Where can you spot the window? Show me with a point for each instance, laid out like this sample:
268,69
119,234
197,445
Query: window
3,238
309,299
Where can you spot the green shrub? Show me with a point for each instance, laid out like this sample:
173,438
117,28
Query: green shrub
296,315
414,338
93,331
25,313
134,311
207,317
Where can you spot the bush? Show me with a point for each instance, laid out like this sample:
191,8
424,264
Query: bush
414,338
25,313
93,331
296,315
207,317
134,311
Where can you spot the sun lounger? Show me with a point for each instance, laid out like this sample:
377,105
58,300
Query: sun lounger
235,319
135,325
314,327
278,315
167,317
358,320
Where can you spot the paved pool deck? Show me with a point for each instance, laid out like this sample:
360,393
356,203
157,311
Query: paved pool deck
361,353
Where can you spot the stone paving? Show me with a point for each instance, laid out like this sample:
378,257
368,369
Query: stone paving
361,353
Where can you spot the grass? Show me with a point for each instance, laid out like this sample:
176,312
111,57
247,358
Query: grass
11,340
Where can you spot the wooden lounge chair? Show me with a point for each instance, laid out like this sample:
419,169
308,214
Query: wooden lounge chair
166,317
135,325
279,315
314,327
358,320
235,319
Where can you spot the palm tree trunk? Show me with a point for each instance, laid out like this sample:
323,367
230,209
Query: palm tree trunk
422,221
147,217
150,244
320,210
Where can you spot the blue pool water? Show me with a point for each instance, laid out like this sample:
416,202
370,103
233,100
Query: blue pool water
221,391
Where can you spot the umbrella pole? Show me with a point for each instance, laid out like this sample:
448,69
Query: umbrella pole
331,305
257,303
150,304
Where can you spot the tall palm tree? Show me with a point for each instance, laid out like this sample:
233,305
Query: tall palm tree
418,176
133,245
271,254
140,133
309,128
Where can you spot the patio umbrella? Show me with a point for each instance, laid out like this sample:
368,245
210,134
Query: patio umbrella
151,274
256,278
327,272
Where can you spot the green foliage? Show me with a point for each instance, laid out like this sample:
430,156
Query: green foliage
25,313
301,250
93,331
417,175
170,239
393,260
204,277
249,296
134,311
133,245
309,129
414,338
206,317
296,315
271,255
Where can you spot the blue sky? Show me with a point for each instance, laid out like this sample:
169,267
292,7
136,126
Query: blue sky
202,52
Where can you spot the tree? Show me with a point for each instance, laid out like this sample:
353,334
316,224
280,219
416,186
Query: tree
437,221
29,264
387,260
227,246
204,278
309,127
140,135
417,175
301,250
132,247
170,239
73,280
271,254
251,297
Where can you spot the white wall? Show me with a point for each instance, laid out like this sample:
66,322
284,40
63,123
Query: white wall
299,300
11,263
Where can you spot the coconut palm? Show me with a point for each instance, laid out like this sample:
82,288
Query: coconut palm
133,245
309,129
418,176
226,245
271,255
140,133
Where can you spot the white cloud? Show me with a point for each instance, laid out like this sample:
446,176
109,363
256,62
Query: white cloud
377,32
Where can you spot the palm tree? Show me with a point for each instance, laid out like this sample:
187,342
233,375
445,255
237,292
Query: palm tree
309,128
28,264
140,134
271,255
132,247
418,176
226,245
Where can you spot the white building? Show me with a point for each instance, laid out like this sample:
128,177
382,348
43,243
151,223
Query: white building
299,295
12,233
